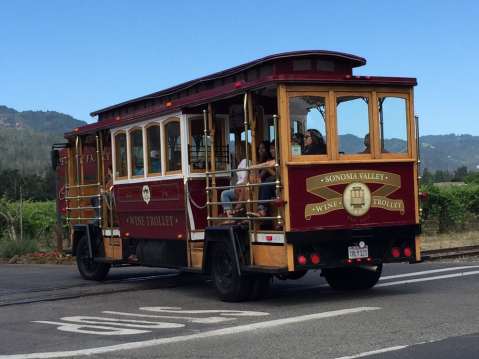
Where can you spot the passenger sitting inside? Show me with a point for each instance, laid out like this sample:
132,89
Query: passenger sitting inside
236,194
267,176
313,143
367,144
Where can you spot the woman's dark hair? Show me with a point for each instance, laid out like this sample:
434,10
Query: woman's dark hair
316,136
266,156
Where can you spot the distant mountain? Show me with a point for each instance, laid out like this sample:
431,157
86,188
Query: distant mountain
438,152
38,121
448,152
26,138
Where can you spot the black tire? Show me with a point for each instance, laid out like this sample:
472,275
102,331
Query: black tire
260,287
230,286
87,267
352,278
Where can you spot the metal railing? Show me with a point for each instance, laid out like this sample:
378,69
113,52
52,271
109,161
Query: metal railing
212,188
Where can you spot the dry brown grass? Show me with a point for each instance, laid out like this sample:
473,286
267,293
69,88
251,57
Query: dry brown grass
449,240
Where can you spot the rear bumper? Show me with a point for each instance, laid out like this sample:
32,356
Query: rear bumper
332,245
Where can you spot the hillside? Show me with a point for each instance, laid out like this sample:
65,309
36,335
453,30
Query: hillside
26,138
38,121
438,152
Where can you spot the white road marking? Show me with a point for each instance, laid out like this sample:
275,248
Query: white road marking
207,320
182,338
108,326
388,284
379,351
445,276
225,312
93,329
414,274
129,323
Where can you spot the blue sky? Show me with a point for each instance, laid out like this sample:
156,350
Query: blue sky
79,56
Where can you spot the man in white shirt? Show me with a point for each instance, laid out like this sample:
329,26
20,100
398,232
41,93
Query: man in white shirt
235,194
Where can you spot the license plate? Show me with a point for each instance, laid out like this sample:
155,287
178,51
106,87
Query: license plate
358,252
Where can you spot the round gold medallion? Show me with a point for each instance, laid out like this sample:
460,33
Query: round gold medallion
357,199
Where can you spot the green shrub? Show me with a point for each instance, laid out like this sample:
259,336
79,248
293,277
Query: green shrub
10,248
452,206
37,220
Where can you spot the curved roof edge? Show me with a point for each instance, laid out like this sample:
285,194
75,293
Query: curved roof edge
354,60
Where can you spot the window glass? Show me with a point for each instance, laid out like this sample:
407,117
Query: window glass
393,124
153,136
196,147
136,143
221,148
120,155
173,146
308,125
353,124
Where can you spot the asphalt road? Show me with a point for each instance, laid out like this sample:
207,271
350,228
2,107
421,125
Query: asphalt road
416,311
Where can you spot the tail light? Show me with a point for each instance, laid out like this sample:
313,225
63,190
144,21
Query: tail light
407,252
315,258
396,252
302,260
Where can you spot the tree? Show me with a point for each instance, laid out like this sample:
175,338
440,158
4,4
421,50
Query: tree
427,177
460,174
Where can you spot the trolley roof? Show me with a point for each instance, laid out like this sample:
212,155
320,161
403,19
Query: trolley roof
308,66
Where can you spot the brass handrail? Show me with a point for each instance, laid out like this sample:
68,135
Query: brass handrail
242,185
82,185
84,196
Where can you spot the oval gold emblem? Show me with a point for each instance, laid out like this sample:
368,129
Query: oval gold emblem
357,199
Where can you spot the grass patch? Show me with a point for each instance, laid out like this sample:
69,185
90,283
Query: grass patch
9,248
449,240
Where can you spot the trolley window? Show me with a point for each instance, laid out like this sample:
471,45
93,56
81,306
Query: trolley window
120,156
352,114
153,138
136,151
173,145
308,125
196,146
393,124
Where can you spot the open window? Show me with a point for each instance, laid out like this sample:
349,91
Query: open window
153,138
121,161
352,116
393,130
308,123
172,145
136,153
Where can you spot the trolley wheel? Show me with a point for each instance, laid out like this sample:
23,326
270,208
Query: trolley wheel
353,278
230,285
86,266
260,287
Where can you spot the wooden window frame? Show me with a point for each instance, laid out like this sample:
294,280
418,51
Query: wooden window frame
148,149
165,144
190,141
130,152
409,126
115,162
310,158
372,133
